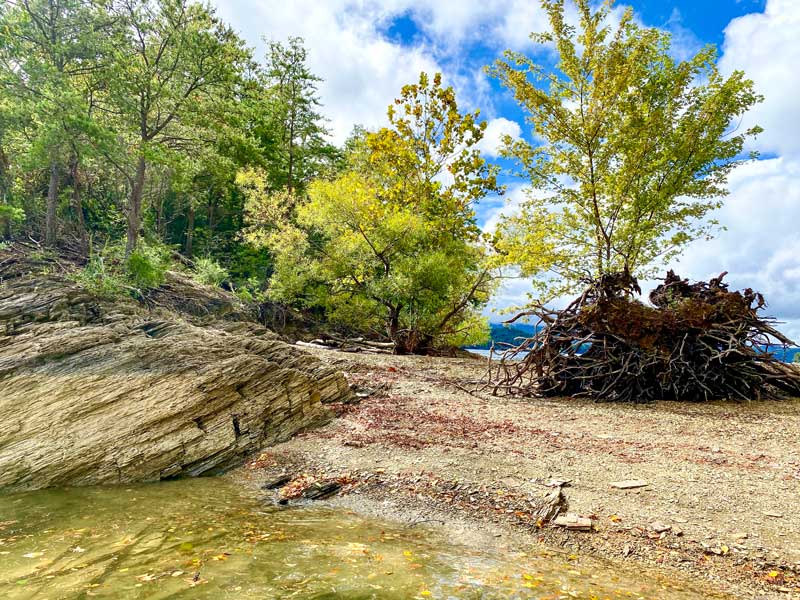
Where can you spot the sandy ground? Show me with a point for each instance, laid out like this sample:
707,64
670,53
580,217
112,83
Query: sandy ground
724,477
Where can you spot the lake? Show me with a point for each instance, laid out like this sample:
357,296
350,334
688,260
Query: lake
208,538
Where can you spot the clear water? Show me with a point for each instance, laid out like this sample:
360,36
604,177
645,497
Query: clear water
207,538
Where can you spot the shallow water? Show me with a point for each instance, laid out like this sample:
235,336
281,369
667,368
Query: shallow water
207,538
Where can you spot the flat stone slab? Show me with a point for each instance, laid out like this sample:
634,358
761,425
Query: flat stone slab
629,484
574,522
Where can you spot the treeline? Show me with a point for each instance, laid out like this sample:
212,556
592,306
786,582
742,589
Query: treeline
130,117
132,129
145,135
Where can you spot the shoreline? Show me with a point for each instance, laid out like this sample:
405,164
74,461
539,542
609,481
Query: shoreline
718,510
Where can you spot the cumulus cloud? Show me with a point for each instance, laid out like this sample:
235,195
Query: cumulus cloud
761,247
362,70
496,208
496,130
766,46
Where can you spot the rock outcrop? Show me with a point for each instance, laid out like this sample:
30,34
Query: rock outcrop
97,391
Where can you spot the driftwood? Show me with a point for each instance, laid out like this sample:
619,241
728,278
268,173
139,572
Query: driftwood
353,344
696,342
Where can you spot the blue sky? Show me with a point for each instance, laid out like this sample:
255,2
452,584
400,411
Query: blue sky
365,50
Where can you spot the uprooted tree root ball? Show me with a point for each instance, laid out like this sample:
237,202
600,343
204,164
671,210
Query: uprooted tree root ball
696,342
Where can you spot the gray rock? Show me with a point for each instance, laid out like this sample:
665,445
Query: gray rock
97,391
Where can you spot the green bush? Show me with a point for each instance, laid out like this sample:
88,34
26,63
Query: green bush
209,272
97,278
11,214
250,290
110,273
797,357
147,267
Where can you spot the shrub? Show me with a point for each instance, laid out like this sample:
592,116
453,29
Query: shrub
10,215
209,272
110,273
98,279
147,267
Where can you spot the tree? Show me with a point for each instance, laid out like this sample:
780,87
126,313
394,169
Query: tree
292,103
390,247
175,56
53,48
634,153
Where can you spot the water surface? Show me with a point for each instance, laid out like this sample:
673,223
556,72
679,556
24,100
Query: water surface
207,538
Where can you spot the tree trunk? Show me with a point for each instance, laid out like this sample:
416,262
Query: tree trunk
189,230
135,207
51,224
212,224
161,226
394,330
77,206
289,181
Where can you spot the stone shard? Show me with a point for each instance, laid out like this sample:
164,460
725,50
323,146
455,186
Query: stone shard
629,484
574,522
96,391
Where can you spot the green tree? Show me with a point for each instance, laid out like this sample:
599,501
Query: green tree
301,151
391,246
633,148
175,59
51,53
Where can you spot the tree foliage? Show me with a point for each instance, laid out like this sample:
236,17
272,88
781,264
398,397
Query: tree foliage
301,150
391,245
633,147
150,121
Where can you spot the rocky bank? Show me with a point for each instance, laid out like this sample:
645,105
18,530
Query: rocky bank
96,391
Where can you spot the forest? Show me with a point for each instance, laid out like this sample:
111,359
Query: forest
144,135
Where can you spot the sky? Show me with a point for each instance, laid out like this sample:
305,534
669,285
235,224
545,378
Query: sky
366,50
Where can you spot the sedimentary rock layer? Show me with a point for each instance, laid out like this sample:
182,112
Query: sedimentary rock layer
94,391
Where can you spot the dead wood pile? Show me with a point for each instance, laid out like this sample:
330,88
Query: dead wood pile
696,342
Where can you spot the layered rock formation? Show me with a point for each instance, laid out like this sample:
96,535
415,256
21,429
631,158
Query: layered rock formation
98,391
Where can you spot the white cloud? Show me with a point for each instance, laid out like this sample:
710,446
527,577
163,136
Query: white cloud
766,46
362,70
496,129
761,247
504,206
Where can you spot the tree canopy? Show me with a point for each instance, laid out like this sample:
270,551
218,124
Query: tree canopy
141,135
633,147
389,246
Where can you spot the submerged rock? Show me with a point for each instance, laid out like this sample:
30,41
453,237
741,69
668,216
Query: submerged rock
97,391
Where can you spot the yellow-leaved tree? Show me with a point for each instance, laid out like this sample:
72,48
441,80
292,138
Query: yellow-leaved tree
632,153
389,247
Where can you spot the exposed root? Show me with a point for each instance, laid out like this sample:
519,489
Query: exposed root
697,342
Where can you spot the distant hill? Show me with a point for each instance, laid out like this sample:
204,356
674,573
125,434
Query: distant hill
507,334
510,334
784,354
